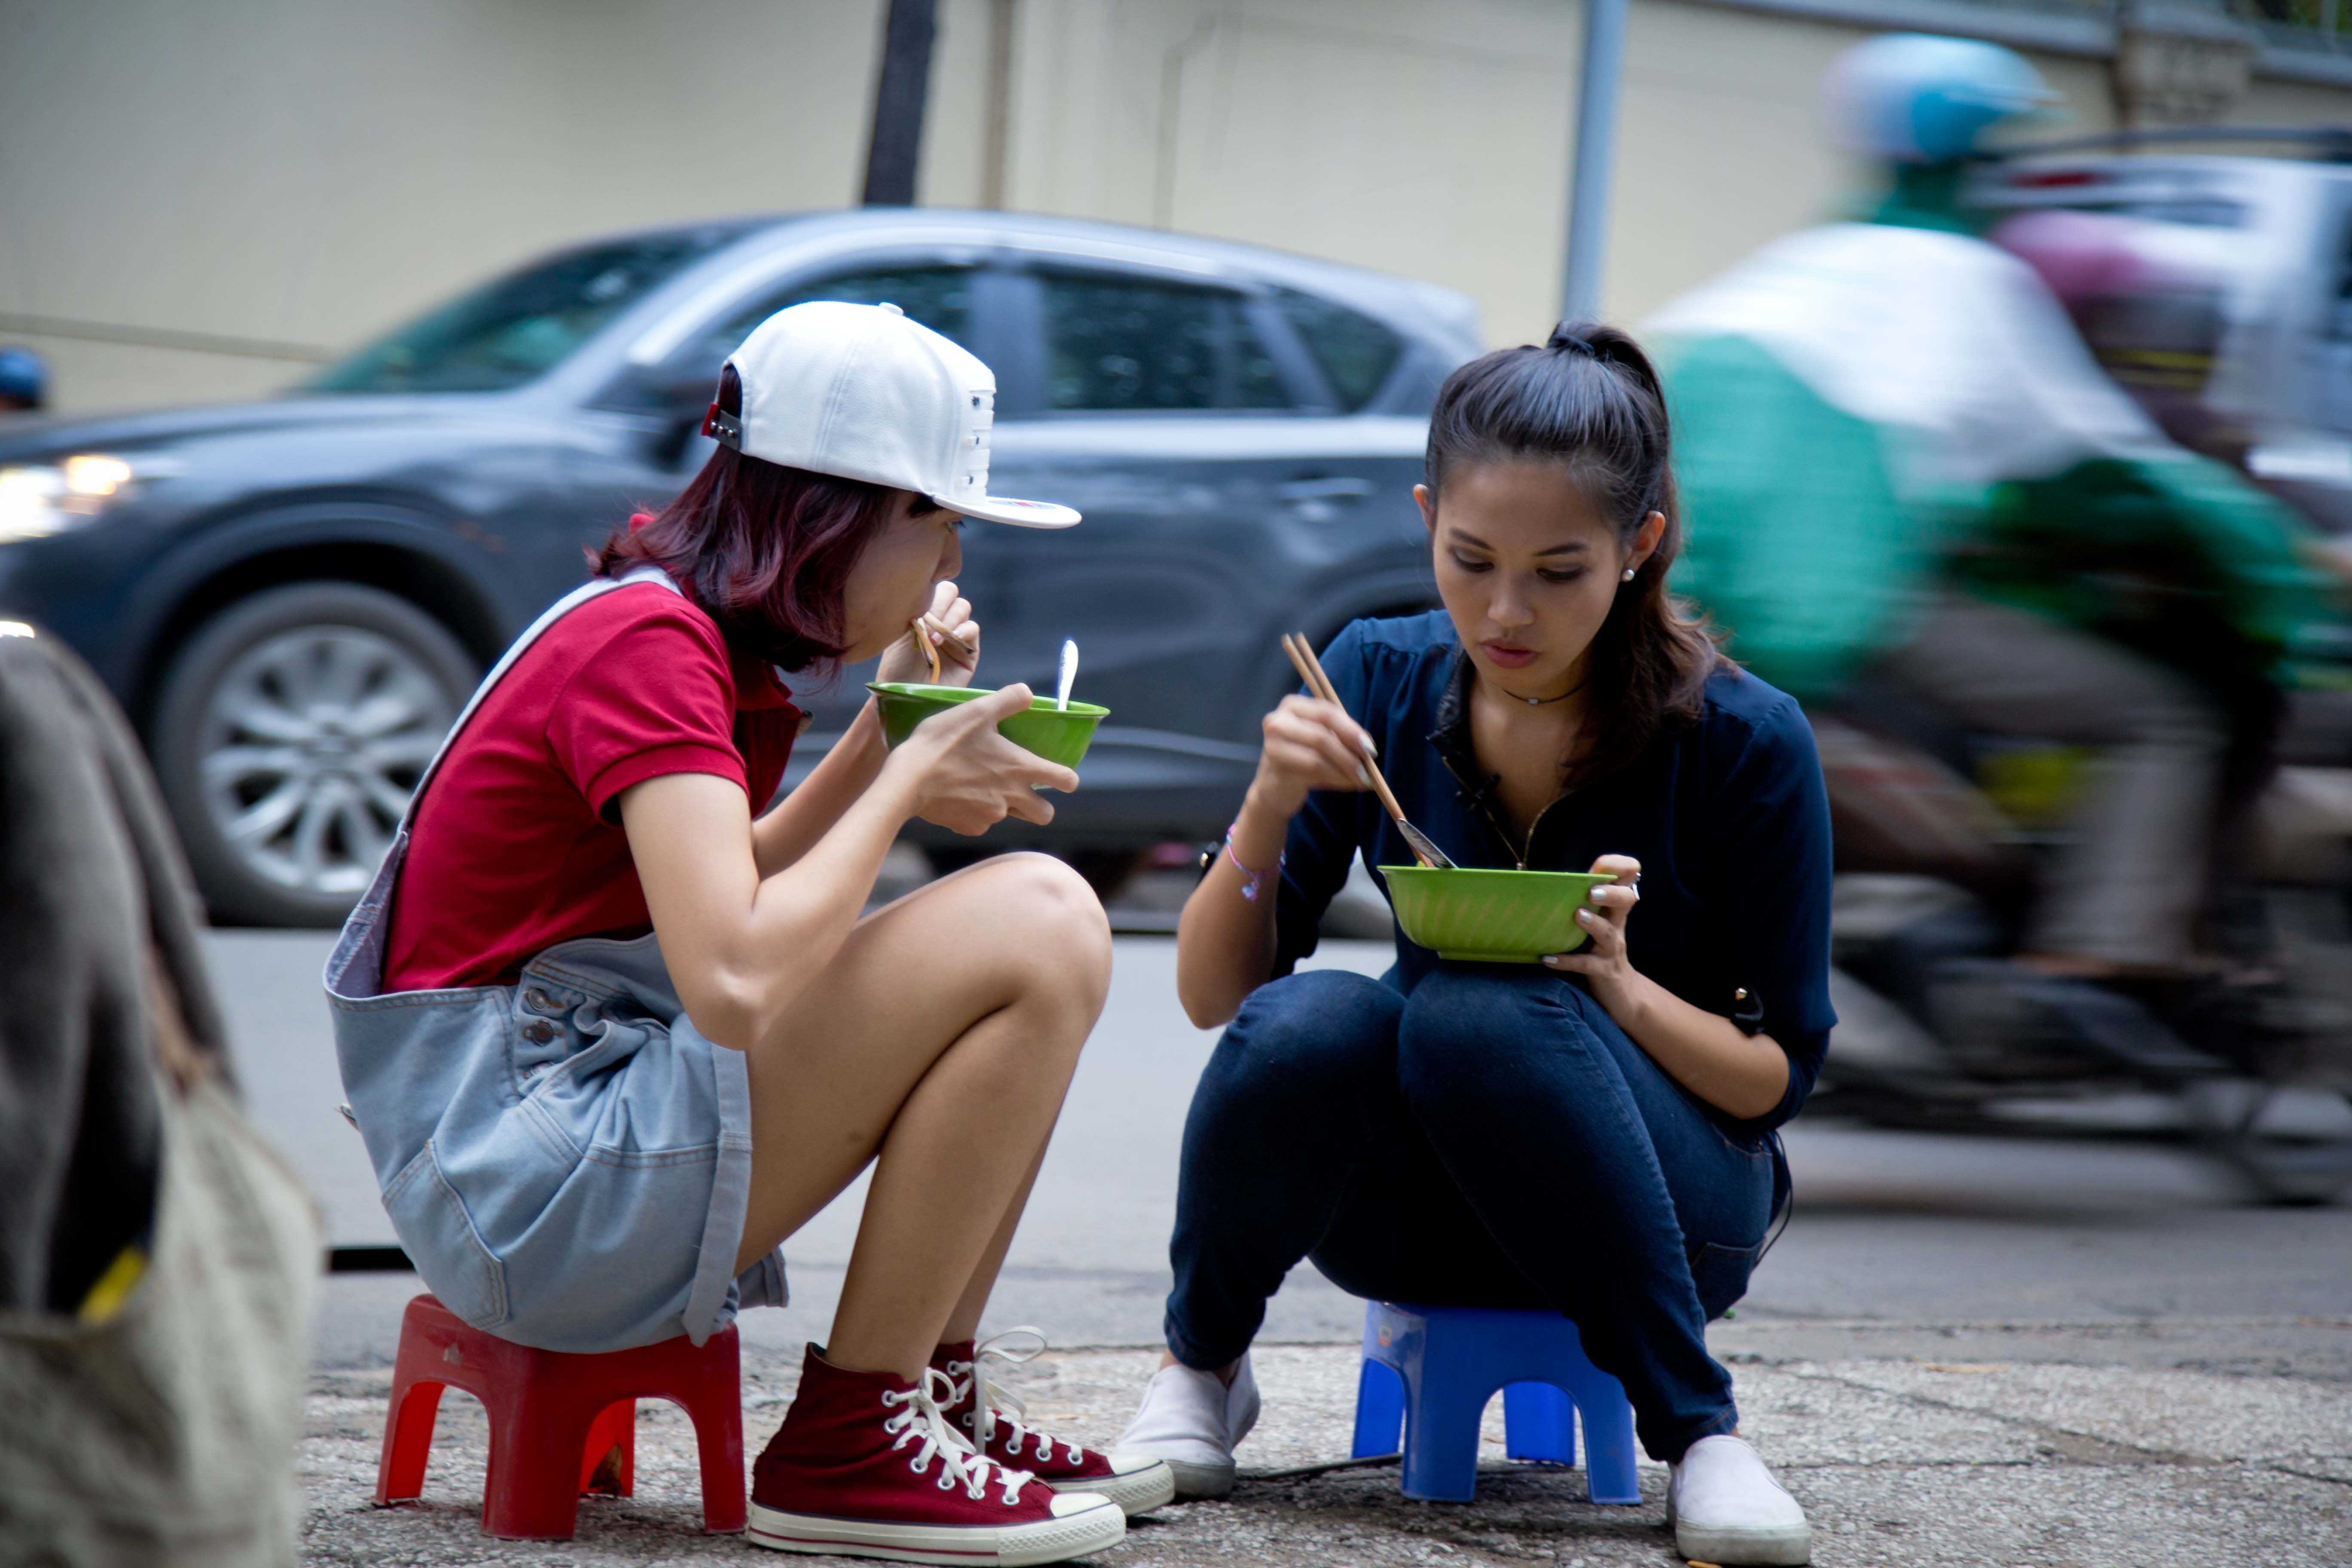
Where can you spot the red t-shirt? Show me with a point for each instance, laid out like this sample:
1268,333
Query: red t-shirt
517,844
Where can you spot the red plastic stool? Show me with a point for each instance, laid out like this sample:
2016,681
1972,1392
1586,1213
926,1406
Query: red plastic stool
554,1419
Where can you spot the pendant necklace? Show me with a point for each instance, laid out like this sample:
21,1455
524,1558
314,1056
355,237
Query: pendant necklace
1540,701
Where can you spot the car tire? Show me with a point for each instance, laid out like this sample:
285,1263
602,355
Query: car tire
288,733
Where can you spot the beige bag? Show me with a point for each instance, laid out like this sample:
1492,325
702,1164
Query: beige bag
165,1435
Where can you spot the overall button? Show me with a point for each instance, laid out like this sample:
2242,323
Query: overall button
539,1031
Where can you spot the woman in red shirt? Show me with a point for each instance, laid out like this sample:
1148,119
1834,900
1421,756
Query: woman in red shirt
613,1032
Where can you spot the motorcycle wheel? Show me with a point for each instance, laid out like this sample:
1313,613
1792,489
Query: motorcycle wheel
2289,1146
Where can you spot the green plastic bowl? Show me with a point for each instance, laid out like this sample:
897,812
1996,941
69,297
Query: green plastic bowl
1480,916
1055,734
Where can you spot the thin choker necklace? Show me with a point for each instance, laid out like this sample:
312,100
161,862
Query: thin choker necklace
1540,701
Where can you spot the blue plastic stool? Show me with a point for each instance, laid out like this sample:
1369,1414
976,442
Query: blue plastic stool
1430,1371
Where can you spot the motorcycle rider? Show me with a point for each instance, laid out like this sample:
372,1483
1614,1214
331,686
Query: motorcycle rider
1902,465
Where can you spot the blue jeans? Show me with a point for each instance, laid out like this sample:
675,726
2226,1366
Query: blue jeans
1494,1140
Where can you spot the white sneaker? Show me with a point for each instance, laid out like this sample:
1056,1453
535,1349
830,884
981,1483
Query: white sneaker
1193,1421
1726,1508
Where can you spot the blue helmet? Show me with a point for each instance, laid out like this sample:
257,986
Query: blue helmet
1914,98
22,376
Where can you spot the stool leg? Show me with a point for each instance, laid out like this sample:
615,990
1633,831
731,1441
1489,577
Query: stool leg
614,1436
1442,1409
1380,1410
532,1491
1539,1423
718,1442
407,1440
1609,1473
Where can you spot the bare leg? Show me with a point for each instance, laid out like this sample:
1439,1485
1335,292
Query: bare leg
963,1323
940,1040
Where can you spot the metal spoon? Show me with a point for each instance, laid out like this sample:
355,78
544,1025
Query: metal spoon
1068,677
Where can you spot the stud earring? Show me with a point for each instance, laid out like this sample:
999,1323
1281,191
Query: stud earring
1628,576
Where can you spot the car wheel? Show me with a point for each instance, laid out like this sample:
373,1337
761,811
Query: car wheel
290,732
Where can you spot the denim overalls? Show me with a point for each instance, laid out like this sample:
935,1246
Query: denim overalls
566,1160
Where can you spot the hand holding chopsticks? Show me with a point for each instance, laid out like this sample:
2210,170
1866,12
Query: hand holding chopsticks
944,636
1310,670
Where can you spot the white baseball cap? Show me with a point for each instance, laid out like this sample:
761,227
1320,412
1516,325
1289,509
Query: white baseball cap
861,392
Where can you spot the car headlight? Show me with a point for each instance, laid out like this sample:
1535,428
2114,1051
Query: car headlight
37,500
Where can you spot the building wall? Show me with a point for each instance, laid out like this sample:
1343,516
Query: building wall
202,202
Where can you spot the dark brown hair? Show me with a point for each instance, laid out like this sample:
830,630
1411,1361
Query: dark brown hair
1589,401
766,550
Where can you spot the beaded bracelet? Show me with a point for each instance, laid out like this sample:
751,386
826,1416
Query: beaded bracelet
1251,880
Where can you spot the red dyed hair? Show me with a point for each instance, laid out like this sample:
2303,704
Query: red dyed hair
766,550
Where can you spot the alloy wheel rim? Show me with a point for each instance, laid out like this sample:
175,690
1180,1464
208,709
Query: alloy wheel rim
309,747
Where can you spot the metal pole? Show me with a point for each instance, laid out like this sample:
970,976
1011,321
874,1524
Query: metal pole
996,144
899,89
1596,135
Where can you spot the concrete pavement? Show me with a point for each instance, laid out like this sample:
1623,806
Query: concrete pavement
1970,1458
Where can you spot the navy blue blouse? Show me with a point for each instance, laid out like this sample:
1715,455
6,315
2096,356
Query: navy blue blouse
1726,813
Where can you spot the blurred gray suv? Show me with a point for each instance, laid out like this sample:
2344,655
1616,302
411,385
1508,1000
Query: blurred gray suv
293,598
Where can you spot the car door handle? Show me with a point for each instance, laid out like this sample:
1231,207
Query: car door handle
1325,488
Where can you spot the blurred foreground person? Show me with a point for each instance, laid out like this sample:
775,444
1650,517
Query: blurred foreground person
156,1261
24,381
1598,1137
1905,472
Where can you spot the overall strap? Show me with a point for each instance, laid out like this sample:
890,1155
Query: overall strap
593,588
355,969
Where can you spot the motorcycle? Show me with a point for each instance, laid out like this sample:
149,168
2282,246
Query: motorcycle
1938,840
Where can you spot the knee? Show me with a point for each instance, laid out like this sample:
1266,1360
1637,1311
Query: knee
1052,926
1306,1033
1473,1030
1477,1010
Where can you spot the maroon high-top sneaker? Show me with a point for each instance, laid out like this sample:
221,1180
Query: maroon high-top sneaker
976,1407
866,1465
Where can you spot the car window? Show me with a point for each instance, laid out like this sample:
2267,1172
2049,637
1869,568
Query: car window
1257,383
1355,351
2338,325
2200,211
2192,202
939,297
1132,344
519,327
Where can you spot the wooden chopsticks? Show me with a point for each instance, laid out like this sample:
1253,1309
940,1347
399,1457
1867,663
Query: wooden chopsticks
929,643
1310,670
931,636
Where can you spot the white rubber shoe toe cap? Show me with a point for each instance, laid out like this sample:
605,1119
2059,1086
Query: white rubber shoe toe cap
1191,1421
1138,1483
1726,1507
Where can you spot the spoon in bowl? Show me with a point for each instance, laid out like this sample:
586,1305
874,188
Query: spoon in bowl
1068,676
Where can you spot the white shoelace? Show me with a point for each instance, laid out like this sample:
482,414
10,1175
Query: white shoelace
926,1421
988,1394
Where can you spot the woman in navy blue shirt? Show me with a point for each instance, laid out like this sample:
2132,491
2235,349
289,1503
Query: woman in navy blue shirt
1595,1136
